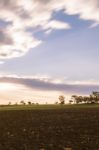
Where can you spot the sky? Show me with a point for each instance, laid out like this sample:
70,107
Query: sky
48,48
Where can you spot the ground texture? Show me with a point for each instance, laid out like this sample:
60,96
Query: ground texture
58,129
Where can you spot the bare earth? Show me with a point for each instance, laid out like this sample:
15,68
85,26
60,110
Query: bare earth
56,129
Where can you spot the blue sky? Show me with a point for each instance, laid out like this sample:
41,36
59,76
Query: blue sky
56,43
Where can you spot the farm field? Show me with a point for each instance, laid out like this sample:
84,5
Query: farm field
49,129
46,106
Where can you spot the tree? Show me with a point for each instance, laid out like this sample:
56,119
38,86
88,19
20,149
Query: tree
62,99
80,99
29,103
56,103
95,96
22,102
9,103
91,99
70,101
74,98
77,99
86,99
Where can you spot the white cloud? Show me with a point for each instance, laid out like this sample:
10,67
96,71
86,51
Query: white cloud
21,42
54,24
23,14
88,10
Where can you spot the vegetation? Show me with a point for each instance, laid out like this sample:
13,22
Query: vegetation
75,100
62,99
92,99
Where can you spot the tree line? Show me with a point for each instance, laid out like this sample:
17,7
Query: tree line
93,98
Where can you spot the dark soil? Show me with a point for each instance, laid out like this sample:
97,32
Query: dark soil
50,129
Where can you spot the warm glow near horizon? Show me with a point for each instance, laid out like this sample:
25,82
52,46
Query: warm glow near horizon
17,92
7,86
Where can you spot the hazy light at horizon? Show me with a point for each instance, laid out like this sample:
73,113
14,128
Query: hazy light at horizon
13,93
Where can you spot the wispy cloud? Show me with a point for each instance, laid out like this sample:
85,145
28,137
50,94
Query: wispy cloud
50,84
15,41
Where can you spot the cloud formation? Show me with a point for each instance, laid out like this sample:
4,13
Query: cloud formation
15,40
49,84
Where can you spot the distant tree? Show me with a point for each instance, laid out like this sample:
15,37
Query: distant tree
95,94
9,103
29,103
77,99
86,99
95,97
62,99
37,103
56,103
70,101
22,102
74,98
80,99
